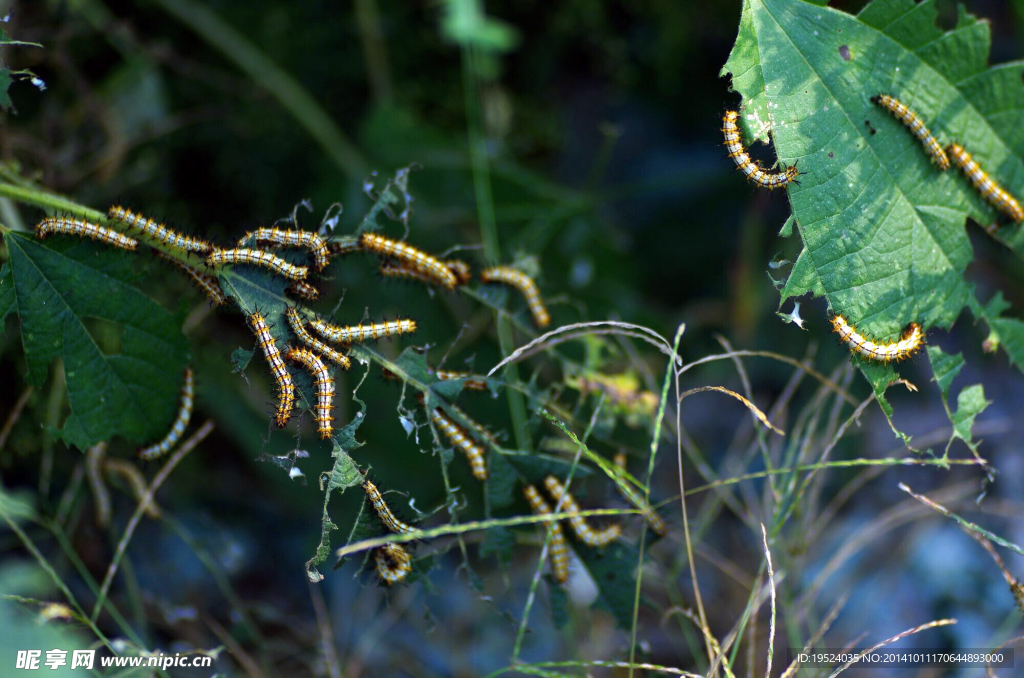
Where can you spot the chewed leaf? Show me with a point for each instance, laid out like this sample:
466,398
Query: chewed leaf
122,362
883,229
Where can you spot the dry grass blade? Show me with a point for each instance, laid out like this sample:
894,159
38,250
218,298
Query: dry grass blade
888,641
771,582
966,524
751,406
814,639
553,337
143,506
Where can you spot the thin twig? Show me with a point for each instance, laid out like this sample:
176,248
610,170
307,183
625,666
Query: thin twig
158,480
13,417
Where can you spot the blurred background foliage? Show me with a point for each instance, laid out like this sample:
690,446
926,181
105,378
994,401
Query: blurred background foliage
598,125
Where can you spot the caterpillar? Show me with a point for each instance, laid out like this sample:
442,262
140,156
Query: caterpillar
285,238
460,270
393,563
179,426
285,385
344,335
473,383
987,186
390,269
324,387
305,290
72,226
916,127
341,247
510,276
911,340
258,258
418,259
474,452
559,552
158,231
383,512
299,328
209,284
655,521
583,530
750,168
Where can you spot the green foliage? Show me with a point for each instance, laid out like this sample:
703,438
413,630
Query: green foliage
882,229
123,378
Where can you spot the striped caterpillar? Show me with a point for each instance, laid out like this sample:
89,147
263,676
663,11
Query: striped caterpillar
210,285
427,264
458,438
916,127
158,231
299,328
911,340
345,335
471,382
72,226
285,238
179,426
522,282
257,258
987,186
460,270
393,563
579,524
383,512
324,387
285,385
303,289
656,522
558,550
337,248
391,269
750,168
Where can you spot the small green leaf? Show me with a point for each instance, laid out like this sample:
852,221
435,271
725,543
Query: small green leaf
945,367
969,404
499,543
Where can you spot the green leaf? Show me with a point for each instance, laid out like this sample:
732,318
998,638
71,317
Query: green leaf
945,367
8,300
343,475
60,290
969,404
499,543
614,571
883,229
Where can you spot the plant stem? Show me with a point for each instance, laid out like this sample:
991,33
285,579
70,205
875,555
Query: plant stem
489,234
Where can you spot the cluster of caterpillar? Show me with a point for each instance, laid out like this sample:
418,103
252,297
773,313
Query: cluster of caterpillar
180,423
299,328
287,238
989,189
393,562
751,169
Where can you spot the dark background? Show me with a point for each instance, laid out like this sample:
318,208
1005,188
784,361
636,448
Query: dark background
601,126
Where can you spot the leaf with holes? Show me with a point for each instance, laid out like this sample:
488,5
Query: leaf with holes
122,361
883,230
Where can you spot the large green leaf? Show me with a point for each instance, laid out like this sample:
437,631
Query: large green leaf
60,290
883,230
